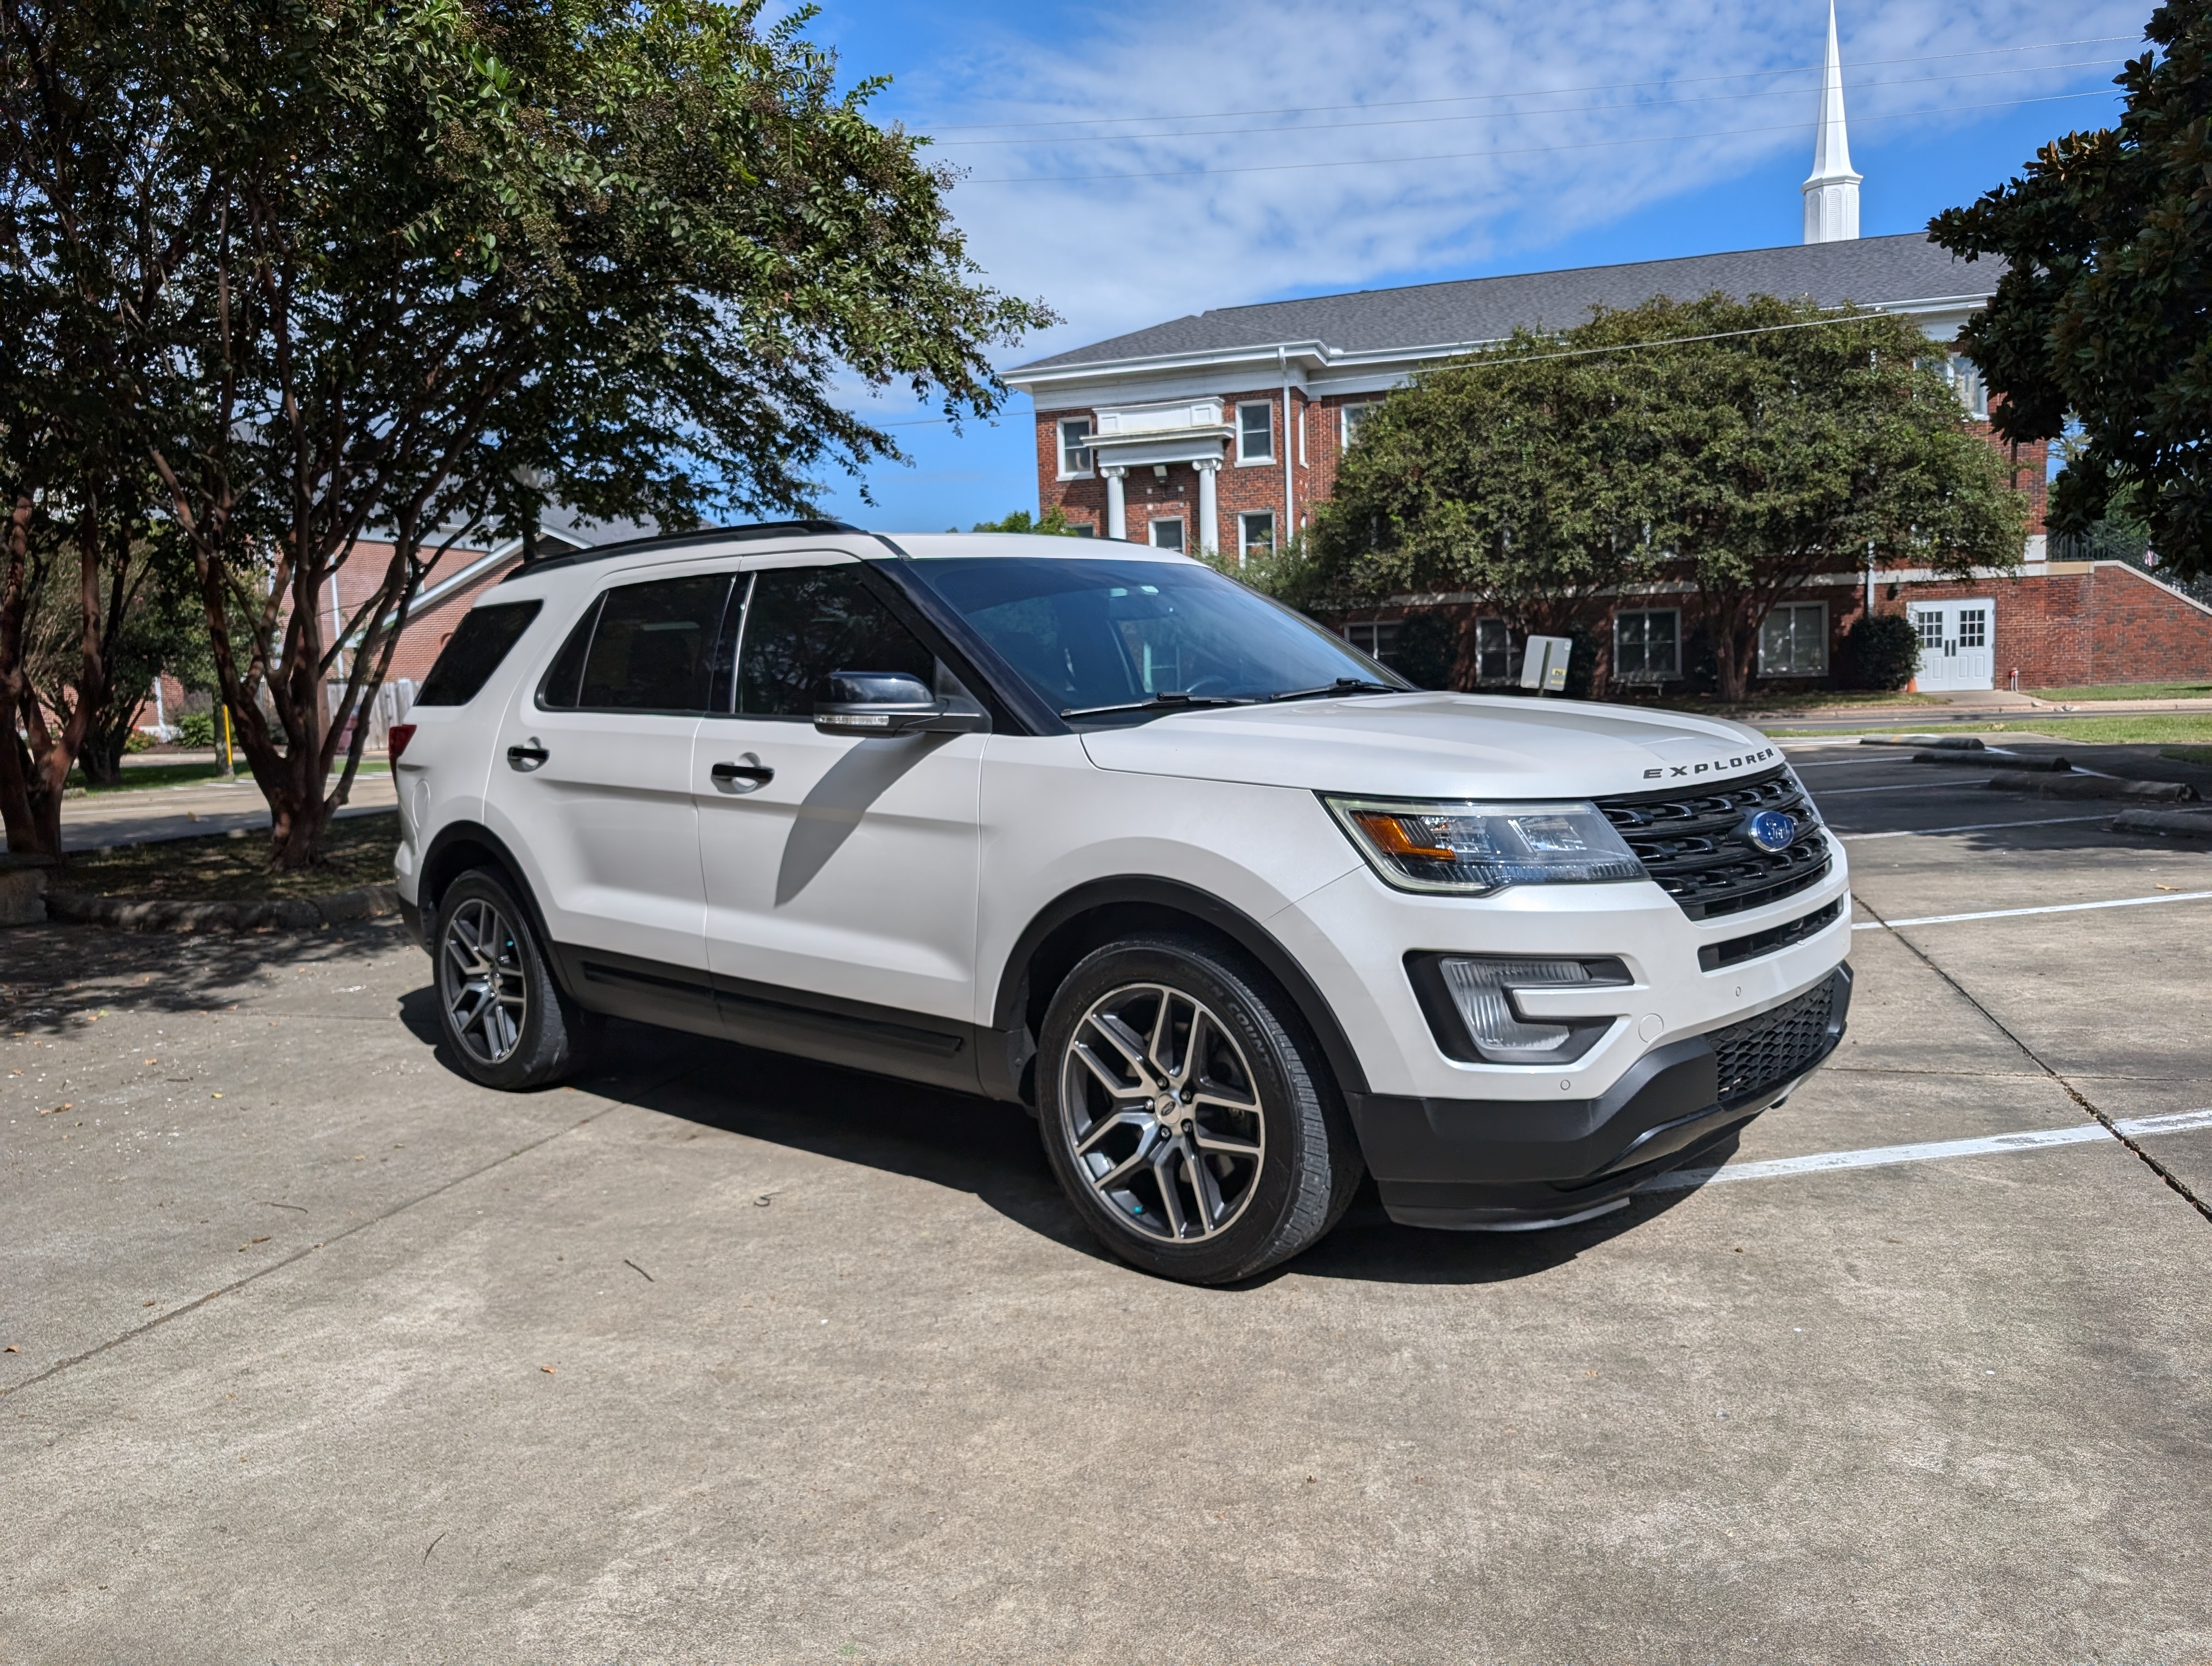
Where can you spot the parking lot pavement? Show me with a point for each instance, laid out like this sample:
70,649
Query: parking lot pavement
715,1356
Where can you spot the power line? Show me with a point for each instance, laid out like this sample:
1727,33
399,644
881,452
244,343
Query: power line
1524,115
1466,98
1520,150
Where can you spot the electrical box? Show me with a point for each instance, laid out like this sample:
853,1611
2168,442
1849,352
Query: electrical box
1544,668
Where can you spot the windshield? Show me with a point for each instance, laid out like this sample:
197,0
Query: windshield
1145,636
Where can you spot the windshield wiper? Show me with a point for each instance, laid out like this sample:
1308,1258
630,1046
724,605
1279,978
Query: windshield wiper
1157,702
1342,685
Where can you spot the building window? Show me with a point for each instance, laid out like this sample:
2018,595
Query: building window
1372,637
1965,379
1647,645
1973,628
1255,433
1081,529
1493,652
1075,448
1350,416
1255,533
1167,534
1793,641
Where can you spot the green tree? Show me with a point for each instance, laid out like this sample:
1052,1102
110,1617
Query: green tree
446,262
1052,523
2104,313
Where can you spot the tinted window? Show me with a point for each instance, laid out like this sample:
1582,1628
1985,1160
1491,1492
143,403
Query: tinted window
1086,633
478,643
648,647
804,623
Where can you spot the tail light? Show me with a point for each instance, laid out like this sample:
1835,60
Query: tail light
398,735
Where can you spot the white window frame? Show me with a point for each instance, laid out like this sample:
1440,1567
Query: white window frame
1245,540
1793,608
1640,613
1373,637
1060,430
1348,419
1152,534
1251,458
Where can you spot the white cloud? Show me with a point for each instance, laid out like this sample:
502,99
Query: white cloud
1117,254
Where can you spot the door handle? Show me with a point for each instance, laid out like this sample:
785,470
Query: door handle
751,773
528,756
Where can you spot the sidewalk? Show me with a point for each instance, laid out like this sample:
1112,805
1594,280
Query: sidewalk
183,813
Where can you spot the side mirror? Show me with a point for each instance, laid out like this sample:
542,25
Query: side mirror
888,702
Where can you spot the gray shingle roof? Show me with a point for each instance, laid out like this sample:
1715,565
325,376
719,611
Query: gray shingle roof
1870,270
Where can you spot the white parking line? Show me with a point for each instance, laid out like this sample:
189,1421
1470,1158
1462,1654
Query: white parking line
1875,1157
2052,907
1976,827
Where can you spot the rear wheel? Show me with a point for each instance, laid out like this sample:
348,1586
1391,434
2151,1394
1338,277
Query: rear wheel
504,1017
1188,1113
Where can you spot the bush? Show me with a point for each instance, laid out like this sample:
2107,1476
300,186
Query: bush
1882,651
195,729
138,741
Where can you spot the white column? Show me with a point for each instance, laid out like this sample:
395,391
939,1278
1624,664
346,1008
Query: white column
1209,506
1117,505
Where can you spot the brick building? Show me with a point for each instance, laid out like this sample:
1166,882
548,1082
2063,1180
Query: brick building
1222,430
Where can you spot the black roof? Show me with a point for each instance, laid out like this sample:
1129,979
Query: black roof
1870,270
684,540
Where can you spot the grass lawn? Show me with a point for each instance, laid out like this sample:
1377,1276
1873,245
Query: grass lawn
1794,701
2145,730
234,868
2127,692
139,777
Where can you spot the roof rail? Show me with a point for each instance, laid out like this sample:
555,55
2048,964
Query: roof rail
757,529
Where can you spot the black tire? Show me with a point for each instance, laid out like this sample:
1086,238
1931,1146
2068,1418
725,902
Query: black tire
505,1018
1148,1141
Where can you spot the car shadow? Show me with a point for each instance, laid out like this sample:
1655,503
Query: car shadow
990,1150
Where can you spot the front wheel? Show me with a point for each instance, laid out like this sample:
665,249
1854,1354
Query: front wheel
1188,1112
505,1018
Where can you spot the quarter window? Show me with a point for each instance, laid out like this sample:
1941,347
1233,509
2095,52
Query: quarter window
474,651
1793,641
804,623
644,647
1075,447
1255,433
1647,645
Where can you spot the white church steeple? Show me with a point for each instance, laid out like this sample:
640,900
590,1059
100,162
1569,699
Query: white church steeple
1831,195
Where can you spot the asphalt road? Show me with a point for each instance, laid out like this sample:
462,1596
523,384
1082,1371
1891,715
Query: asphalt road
326,1355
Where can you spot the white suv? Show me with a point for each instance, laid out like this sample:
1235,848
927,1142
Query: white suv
1234,911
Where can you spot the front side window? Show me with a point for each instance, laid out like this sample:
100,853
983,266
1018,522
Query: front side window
644,647
1647,645
1075,447
474,651
1087,632
804,623
1255,433
1167,534
1256,532
1793,641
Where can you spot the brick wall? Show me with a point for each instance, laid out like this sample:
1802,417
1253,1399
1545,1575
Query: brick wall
2082,623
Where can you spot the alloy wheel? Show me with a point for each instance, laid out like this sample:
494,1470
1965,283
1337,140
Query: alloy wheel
1162,1113
481,968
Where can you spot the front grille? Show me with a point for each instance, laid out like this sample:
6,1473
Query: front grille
1692,843
1762,1053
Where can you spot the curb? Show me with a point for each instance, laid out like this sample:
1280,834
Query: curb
2086,785
290,913
2183,824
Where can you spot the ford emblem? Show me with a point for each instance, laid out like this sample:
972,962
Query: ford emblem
1772,829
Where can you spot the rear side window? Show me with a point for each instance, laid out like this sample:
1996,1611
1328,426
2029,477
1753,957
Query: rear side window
643,647
478,643
804,623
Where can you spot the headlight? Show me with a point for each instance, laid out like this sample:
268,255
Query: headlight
1471,849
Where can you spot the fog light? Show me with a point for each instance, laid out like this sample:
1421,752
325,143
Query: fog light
1469,999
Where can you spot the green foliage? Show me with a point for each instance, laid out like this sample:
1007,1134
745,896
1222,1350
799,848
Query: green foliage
1053,523
1881,651
1426,650
138,741
1742,445
196,730
2104,313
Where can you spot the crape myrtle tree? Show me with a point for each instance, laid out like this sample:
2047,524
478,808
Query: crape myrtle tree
84,214
1787,440
1520,474
459,259
2104,313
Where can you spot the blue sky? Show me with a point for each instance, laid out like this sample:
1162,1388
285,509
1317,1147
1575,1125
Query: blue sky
1491,137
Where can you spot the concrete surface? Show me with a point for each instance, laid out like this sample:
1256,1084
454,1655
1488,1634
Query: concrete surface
834,1376
91,821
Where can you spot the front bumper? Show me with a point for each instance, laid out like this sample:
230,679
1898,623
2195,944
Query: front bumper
1476,1164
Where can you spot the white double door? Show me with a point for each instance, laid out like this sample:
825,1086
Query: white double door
1958,645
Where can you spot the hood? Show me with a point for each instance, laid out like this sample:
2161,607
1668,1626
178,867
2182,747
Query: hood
1439,745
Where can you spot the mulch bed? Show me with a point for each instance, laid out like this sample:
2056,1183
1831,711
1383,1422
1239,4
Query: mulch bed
234,867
